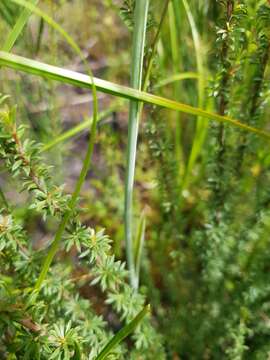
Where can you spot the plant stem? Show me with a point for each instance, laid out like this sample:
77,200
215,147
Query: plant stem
144,87
220,190
139,33
223,102
255,90
201,126
154,47
72,203
177,86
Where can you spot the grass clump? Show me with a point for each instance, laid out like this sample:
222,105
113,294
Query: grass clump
188,210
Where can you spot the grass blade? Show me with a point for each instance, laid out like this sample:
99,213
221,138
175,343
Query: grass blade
154,45
139,245
85,81
18,28
139,32
122,334
176,63
176,77
79,128
150,61
7,14
201,126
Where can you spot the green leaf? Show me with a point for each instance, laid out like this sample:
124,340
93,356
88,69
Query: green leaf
177,77
122,334
139,245
18,28
201,126
85,81
16,165
3,98
79,128
77,352
7,13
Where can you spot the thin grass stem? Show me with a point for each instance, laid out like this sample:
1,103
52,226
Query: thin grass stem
176,62
201,126
139,33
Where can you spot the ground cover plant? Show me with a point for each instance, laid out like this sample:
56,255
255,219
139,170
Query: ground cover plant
134,159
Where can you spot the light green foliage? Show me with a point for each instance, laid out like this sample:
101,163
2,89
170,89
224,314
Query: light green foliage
24,162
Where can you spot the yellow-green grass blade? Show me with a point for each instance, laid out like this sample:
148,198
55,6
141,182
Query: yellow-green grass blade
84,81
189,75
201,126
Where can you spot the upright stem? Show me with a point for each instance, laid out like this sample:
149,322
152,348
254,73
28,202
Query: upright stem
154,45
225,79
177,86
254,98
222,107
201,125
139,32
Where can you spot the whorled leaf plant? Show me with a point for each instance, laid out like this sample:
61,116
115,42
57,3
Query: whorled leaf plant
30,8
23,161
73,200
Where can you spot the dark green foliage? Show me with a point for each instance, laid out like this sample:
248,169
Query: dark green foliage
215,285
127,11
